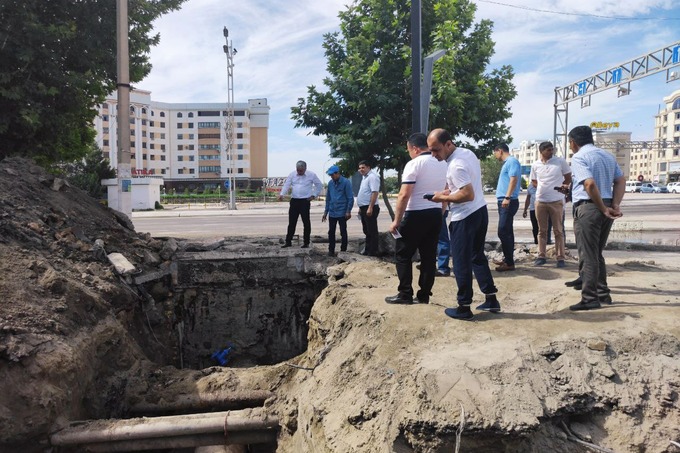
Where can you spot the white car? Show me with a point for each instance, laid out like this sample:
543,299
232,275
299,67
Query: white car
673,187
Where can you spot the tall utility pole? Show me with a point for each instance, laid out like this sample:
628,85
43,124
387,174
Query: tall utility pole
416,71
124,174
229,124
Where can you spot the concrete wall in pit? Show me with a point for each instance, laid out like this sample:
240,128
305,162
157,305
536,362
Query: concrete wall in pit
257,305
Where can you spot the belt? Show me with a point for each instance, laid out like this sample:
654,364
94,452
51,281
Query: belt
580,202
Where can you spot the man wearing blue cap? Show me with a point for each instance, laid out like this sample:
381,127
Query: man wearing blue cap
339,203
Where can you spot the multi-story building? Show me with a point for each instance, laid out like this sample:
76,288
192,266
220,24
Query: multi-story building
618,144
665,160
188,142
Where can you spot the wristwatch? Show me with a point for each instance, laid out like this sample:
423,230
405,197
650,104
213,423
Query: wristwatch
507,198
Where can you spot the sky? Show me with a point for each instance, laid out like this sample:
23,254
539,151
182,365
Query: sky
279,54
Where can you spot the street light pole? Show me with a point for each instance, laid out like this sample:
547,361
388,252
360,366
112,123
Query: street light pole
124,173
416,126
426,92
229,121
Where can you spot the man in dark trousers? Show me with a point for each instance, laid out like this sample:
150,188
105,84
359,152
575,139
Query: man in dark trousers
469,223
417,221
305,186
507,193
339,203
598,188
369,208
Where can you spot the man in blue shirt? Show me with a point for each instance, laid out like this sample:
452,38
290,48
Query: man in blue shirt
339,203
598,188
507,193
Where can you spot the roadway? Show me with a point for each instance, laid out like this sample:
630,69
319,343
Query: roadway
648,218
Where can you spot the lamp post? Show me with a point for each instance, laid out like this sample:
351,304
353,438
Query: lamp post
124,173
426,92
229,121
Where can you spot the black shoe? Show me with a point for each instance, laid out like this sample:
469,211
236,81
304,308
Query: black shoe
442,274
423,298
304,246
363,252
286,245
343,249
577,282
490,304
399,299
585,306
460,312
331,254
605,300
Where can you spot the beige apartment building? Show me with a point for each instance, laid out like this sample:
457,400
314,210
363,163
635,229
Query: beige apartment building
665,161
186,143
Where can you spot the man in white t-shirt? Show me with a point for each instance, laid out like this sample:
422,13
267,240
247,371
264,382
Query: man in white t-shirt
469,223
417,221
551,176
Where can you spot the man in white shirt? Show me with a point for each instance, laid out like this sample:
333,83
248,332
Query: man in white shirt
551,176
469,224
305,186
417,221
369,208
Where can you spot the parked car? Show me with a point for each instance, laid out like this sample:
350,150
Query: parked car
659,188
633,186
673,187
489,189
647,187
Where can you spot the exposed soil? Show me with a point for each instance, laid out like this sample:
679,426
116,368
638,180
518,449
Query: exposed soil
78,341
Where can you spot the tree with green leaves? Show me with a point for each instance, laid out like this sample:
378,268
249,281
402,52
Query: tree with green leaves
59,62
365,113
88,172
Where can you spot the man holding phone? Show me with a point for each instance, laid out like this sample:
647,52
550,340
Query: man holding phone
551,176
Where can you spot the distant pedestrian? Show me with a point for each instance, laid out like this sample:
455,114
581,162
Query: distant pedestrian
305,186
417,221
369,207
551,176
444,248
339,203
598,189
507,192
469,223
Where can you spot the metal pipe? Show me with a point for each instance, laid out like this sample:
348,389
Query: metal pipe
239,438
201,402
171,426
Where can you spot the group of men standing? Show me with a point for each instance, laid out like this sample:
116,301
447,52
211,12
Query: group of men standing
305,186
442,177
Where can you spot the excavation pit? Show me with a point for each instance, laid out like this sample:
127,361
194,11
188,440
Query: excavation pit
242,309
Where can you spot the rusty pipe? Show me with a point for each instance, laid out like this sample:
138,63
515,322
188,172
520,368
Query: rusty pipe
237,438
209,401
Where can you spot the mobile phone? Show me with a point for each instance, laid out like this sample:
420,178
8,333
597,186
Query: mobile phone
558,188
428,196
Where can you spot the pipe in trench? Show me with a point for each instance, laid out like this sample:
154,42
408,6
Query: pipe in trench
223,423
238,438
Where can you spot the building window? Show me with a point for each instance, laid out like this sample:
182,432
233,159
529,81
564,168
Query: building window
105,143
132,121
191,137
202,136
151,123
152,135
162,157
180,158
239,113
240,171
105,118
209,113
162,124
163,136
132,110
179,114
162,147
105,130
133,156
132,132
190,125
143,133
152,146
162,114
239,135
208,146
153,157
162,171
209,169
152,113
240,157
105,106
191,114
190,147
676,104
180,171
143,111
180,147
192,158
239,146
179,125
676,152
143,156
192,171
208,125
180,136
677,128
143,144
